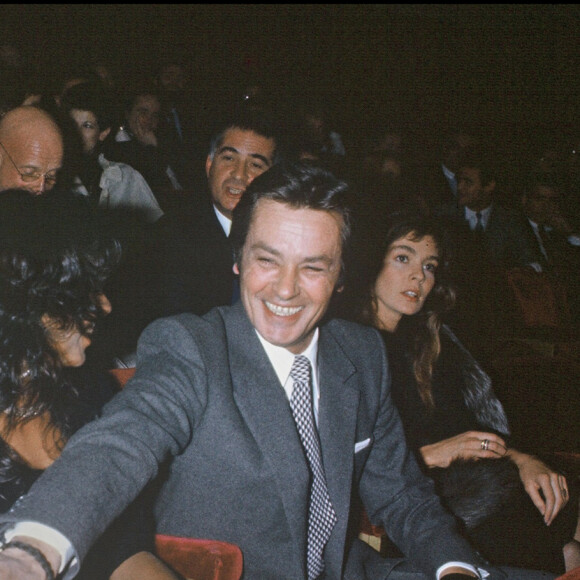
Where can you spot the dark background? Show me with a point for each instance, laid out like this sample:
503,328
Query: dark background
510,69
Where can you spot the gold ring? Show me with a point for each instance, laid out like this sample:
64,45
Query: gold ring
485,444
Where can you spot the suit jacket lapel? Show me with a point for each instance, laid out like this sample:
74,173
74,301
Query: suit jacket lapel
265,408
339,399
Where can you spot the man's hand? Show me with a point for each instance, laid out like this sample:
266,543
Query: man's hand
468,445
538,477
16,564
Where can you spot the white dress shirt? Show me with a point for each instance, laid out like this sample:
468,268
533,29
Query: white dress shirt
471,217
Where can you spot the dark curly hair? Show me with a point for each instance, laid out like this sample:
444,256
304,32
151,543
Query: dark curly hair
53,262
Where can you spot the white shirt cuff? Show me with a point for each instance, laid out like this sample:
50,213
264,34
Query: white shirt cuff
468,567
574,240
68,555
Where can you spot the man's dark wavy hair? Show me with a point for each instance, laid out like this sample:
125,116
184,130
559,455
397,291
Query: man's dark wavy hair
54,262
297,185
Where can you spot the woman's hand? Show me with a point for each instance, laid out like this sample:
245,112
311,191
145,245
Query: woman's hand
540,480
468,445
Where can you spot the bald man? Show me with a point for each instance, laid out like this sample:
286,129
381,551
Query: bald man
31,150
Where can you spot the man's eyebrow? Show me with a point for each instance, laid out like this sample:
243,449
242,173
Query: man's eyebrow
227,148
308,260
261,157
265,247
231,149
322,258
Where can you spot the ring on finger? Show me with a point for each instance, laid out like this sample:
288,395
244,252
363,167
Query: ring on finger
485,444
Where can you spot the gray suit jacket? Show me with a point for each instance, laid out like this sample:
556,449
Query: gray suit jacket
206,396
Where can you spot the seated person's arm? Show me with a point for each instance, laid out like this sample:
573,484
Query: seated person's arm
468,445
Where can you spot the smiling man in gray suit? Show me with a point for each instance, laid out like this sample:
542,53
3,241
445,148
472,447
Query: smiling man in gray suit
212,402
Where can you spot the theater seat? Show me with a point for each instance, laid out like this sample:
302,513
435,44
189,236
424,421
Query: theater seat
122,375
197,559
571,575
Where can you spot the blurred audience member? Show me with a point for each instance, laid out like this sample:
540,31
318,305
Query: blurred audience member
196,258
488,240
314,138
550,232
51,298
140,144
31,150
108,185
439,179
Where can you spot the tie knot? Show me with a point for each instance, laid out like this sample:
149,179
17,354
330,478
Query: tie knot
300,370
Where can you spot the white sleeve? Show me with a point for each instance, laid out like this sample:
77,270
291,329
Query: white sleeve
480,573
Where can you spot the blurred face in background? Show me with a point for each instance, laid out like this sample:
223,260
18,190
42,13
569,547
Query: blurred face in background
144,115
240,158
89,129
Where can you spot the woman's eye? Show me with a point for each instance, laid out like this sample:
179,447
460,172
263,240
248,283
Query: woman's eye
401,258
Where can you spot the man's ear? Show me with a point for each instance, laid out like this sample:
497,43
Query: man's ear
339,288
104,134
236,269
208,163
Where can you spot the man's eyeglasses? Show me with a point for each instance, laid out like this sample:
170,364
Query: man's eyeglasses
49,179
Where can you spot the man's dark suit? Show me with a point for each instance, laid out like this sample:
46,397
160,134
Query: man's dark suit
206,395
195,261
478,271
506,243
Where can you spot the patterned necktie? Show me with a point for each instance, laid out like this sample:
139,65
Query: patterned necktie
321,515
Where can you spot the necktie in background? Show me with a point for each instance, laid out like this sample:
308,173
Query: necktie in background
479,225
321,515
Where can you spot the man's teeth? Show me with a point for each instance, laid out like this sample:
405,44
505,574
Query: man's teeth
235,191
281,310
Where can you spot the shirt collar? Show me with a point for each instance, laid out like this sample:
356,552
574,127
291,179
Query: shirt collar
536,227
282,359
447,172
471,215
225,222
